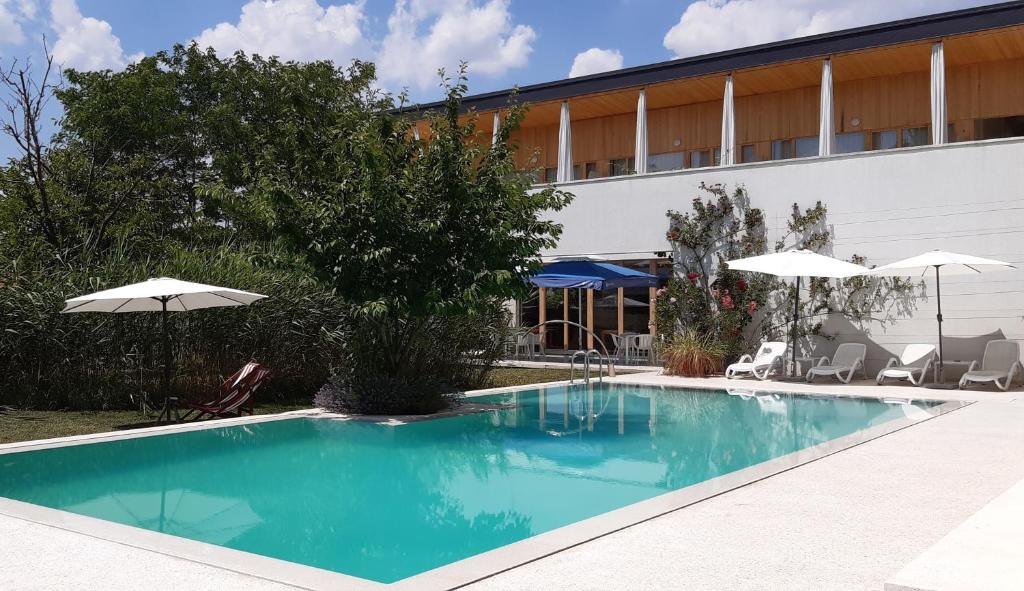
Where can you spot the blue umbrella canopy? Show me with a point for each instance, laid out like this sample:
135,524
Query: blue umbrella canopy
591,275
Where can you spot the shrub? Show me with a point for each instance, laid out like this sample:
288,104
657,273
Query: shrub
89,361
693,354
413,365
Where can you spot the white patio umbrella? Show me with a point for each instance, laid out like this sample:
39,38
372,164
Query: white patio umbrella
161,295
799,264
951,263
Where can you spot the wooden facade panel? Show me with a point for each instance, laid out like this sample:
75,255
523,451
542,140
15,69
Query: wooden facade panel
886,102
778,115
693,126
604,138
986,89
538,147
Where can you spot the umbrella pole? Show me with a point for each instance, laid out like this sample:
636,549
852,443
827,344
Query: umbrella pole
167,363
940,384
938,316
796,318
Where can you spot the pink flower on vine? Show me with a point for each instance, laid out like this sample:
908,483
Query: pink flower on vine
751,308
693,277
741,285
727,302
660,292
672,300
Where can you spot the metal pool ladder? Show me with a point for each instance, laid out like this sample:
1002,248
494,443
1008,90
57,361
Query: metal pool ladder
586,355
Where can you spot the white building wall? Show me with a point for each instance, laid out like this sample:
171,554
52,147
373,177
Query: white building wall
886,206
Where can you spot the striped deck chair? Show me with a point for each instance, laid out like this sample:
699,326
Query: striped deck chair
235,395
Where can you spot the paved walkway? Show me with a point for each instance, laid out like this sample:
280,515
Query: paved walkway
849,521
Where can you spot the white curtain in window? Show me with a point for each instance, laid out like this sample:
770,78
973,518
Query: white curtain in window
939,122
495,129
564,172
826,123
640,151
728,126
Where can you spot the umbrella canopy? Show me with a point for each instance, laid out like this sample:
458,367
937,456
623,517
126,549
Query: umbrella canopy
952,263
797,263
151,295
591,275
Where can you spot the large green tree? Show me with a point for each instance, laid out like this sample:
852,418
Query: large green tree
303,172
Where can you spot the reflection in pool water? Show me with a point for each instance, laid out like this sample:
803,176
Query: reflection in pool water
386,502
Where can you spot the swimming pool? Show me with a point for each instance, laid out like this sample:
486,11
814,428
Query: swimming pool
384,502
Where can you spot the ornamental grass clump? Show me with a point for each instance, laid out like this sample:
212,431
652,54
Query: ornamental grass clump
693,354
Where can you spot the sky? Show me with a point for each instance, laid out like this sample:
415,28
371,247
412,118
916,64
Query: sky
505,42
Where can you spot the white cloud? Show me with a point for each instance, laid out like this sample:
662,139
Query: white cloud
83,42
425,35
299,30
715,25
595,60
10,25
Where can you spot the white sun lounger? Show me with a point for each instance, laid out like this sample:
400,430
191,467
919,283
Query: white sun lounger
1000,363
916,359
848,358
768,358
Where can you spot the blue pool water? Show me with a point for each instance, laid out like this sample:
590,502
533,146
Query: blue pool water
386,502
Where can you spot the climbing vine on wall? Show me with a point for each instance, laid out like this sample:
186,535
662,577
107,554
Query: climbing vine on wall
731,309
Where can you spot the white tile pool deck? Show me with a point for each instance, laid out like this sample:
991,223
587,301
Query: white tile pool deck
851,520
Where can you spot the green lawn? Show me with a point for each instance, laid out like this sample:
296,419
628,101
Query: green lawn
25,425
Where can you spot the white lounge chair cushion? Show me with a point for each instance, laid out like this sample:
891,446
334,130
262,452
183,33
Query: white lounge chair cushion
901,371
746,366
829,369
983,375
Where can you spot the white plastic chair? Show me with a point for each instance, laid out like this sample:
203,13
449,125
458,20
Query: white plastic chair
641,347
916,359
848,358
1001,361
621,344
768,358
530,343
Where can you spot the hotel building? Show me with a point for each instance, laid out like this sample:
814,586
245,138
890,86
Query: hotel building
910,132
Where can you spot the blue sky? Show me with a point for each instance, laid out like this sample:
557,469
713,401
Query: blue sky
506,42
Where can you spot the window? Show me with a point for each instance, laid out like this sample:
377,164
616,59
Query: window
576,174
621,166
700,158
801,147
883,140
849,142
748,153
997,127
591,168
916,136
717,156
782,149
668,161
805,146
551,174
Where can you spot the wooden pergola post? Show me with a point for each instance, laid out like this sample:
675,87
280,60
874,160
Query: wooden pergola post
565,316
652,268
621,306
542,314
590,319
